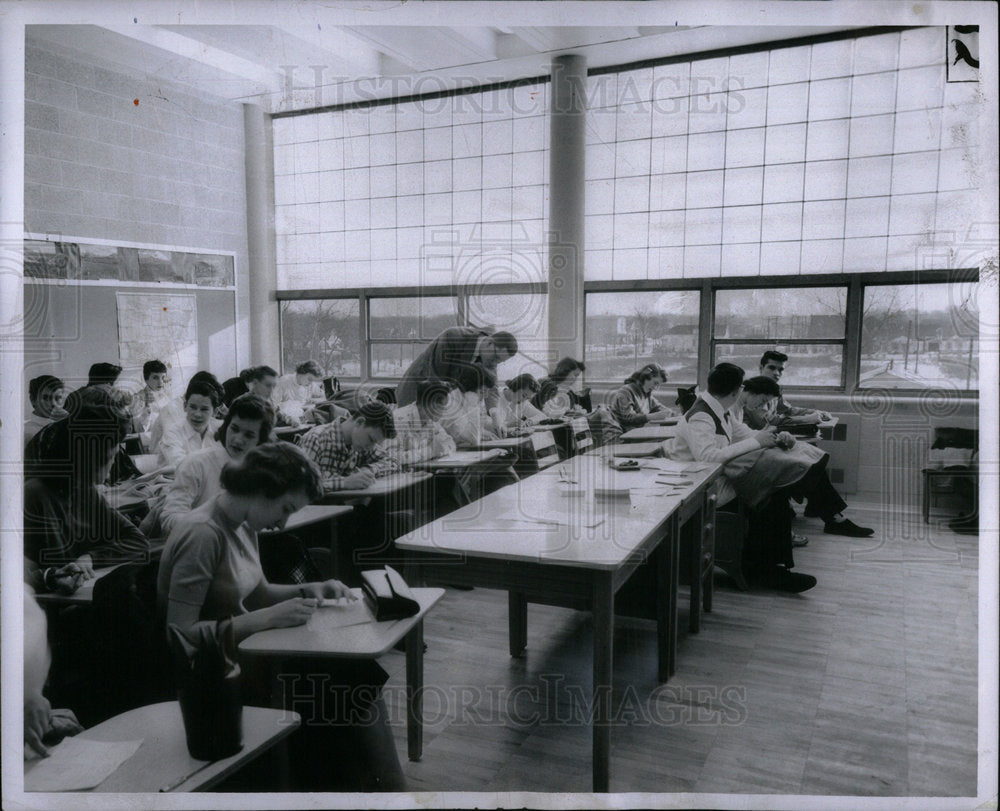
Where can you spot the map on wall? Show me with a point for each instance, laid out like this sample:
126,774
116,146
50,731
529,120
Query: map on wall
163,326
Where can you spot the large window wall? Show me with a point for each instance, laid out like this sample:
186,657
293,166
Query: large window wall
828,176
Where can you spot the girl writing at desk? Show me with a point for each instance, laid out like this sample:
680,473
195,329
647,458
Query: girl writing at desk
211,570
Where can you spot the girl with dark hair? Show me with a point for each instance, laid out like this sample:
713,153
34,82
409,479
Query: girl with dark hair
247,425
634,405
514,410
69,529
211,570
556,397
197,429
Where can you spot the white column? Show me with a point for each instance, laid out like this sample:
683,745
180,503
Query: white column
265,341
567,178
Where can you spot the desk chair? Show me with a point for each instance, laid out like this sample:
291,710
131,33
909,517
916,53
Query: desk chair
582,438
957,473
544,445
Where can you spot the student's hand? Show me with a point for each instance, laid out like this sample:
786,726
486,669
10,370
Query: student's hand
329,590
36,722
63,724
766,437
290,613
824,416
86,566
785,441
359,479
64,579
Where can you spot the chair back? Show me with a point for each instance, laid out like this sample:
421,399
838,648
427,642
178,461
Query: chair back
546,452
582,438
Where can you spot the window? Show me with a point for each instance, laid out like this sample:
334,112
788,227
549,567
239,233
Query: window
325,330
806,323
919,336
626,330
399,328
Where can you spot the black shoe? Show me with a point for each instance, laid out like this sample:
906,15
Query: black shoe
847,528
782,579
965,526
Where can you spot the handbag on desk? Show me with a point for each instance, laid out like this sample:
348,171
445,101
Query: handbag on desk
387,594
208,688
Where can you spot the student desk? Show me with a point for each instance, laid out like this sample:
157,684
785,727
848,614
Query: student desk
466,469
364,641
650,433
636,449
289,432
543,545
311,514
383,487
162,763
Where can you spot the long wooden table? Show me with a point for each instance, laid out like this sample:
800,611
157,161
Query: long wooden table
555,542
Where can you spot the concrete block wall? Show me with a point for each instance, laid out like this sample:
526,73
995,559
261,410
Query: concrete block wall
168,170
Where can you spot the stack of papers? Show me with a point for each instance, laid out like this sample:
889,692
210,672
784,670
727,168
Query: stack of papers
77,764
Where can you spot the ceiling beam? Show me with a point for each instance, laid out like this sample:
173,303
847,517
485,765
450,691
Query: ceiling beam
180,45
342,45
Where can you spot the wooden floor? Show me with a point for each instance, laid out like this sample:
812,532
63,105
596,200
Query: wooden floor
865,685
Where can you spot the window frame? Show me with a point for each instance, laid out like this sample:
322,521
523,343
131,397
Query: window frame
855,283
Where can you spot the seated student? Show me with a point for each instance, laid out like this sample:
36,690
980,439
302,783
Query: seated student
211,570
772,365
43,392
247,424
465,414
295,393
634,405
348,451
153,396
262,381
754,406
69,529
455,355
173,412
43,726
236,386
419,434
196,431
556,397
707,433
514,410
103,374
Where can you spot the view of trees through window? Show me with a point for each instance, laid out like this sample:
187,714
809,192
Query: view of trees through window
625,331
324,330
399,328
920,336
806,323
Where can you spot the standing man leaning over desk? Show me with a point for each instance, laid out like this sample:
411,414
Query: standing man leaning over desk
455,355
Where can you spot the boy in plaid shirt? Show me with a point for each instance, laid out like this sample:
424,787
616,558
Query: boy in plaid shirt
348,450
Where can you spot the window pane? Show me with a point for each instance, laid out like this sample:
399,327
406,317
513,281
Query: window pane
391,360
414,318
326,331
807,364
525,316
920,336
770,313
625,331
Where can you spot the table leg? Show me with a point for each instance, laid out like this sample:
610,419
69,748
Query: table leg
662,583
517,619
415,691
674,557
694,569
604,631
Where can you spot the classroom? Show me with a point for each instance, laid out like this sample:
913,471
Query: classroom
501,403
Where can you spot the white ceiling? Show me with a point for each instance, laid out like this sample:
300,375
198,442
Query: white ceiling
301,63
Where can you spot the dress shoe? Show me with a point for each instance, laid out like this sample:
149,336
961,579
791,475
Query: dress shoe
782,579
847,528
799,540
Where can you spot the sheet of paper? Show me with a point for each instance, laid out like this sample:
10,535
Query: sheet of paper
77,764
341,613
